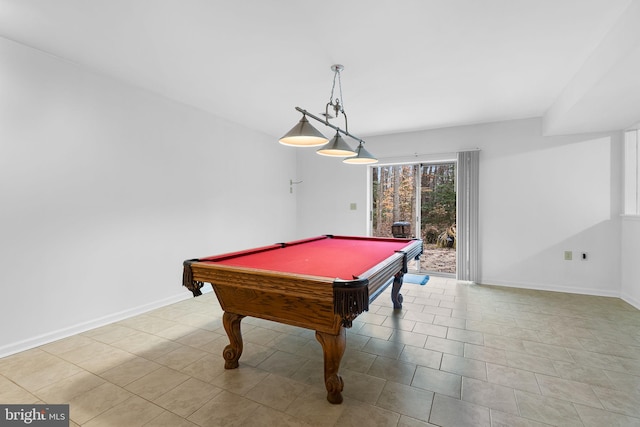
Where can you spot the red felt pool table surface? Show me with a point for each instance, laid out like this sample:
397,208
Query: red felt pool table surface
326,256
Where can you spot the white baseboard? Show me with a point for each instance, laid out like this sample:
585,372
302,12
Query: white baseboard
49,337
630,300
552,288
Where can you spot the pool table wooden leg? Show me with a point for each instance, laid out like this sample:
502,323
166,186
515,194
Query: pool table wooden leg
396,296
333,347
233,351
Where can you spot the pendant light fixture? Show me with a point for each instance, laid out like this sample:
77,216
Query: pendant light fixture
303,134
362,157
337,147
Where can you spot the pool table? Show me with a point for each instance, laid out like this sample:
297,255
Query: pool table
321,283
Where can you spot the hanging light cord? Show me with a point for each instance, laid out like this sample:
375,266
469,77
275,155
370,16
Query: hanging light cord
339,101
338,106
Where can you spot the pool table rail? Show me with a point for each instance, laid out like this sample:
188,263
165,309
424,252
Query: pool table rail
293,299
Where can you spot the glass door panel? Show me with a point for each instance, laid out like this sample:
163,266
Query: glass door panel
394,200
438,216
418,200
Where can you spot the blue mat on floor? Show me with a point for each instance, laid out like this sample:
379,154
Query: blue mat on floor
419,279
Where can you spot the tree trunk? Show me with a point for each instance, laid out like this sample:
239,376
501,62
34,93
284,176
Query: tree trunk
380,204
396,193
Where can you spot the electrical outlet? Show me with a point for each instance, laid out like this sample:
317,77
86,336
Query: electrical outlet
568,255
584,256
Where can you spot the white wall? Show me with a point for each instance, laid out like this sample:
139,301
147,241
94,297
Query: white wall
325,195
539,196
105,189
630,264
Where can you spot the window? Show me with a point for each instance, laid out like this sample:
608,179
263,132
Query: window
631,175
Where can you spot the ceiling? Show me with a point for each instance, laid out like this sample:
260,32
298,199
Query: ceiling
409,64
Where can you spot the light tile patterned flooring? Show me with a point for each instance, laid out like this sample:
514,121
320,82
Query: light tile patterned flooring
455,355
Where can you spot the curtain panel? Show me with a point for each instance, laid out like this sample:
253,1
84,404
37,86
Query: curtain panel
467,265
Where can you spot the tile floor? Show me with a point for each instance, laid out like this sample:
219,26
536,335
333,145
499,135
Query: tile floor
456,355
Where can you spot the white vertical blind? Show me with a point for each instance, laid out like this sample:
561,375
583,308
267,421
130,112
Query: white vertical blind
467,266
631,175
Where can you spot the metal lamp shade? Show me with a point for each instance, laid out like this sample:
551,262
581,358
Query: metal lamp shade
304,135
337,147
362,158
